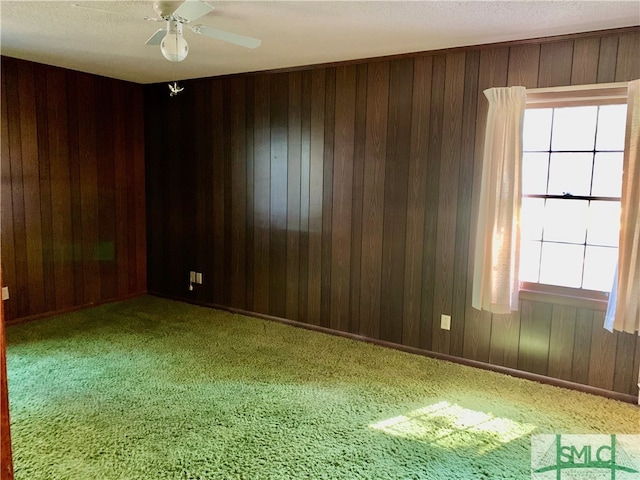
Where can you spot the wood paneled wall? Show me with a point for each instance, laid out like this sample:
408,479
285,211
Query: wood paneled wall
343,196
73,189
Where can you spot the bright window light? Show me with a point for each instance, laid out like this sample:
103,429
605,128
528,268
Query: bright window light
571,187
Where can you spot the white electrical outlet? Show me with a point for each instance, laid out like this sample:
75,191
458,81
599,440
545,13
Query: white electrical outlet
445,322
5,293
192,277
199,278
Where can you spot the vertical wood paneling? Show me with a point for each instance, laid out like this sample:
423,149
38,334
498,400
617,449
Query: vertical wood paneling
563,324
603,354
154,186
628,61
118,127
342,197
261,194
173,277
395,199
416,192
368,223
215,276
504,340
228,200
6,202
238,194
278,191
585,61
523,66
316,189
327,195
105,249
432,195
200,96
132,141
137,153
582,346
294,178
305,165
607,59
250,160
360,131
88,177
464,210
31,177
448,198
555,64
62,212
373,198
44,167
535,331
20,294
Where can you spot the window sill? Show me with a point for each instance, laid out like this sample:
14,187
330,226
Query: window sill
564,296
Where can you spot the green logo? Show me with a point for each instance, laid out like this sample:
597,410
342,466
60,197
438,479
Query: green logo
585,457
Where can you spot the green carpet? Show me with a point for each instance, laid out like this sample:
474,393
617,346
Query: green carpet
155,389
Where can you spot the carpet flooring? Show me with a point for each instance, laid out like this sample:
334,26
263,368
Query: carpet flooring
155,389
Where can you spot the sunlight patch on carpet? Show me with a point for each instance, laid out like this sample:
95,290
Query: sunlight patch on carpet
451,426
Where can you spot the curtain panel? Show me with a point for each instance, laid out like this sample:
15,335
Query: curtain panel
623,312
495,274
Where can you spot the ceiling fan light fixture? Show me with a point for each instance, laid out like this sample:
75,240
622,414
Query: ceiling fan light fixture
173,46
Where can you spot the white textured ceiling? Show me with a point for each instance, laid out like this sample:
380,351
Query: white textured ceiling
292,33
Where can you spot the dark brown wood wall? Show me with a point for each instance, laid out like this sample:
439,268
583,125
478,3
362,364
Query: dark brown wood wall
343,196
73,189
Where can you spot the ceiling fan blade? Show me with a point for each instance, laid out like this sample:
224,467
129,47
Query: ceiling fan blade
156,38
116,12
94,9
192,10
234,38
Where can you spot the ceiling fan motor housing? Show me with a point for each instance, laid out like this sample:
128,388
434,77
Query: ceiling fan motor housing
165,9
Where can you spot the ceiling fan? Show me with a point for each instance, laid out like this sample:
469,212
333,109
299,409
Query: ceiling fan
172,43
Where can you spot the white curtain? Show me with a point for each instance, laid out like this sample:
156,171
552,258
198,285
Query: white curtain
623,312
495,275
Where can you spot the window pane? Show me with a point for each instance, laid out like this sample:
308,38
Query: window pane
537,129
599,268
529,261
532,218
565,220
604,223
611,127
535,167
570,173
574,128
561,264
607,175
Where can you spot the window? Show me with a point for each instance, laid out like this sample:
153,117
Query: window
571,187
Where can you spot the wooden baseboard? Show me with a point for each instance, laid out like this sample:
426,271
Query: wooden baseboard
623,397
75,308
